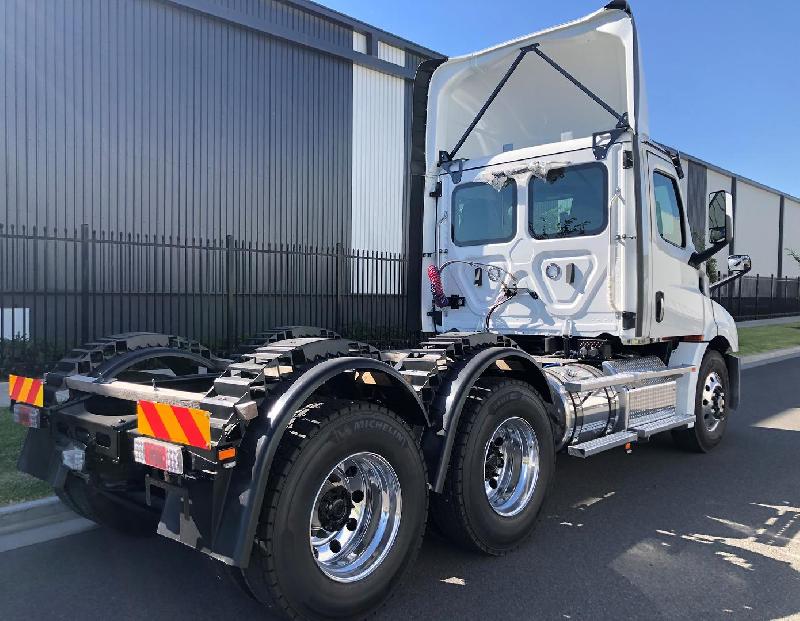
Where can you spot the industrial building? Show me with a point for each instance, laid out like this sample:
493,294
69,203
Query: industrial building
155,152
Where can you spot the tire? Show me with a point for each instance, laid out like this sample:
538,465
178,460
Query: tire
464,511
119,514
303,491
711,420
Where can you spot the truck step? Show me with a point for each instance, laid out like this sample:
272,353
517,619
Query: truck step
598,445
645,429
630,378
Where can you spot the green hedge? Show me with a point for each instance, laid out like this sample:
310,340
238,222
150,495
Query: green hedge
22,356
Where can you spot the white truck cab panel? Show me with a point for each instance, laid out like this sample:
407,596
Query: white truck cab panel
541,178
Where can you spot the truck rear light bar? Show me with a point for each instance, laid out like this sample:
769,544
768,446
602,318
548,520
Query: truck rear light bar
157,454
27,415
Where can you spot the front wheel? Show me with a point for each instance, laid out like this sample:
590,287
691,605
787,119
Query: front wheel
343,515
711,406
500,469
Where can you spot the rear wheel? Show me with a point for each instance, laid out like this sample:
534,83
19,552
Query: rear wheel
501,466
107,508
343,514
711,406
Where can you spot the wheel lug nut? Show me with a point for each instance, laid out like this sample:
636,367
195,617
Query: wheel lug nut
357,496
351,524
498,442
336,547
351,472
334,478
493,483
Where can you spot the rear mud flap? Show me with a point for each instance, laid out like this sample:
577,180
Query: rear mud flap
40,458
193,510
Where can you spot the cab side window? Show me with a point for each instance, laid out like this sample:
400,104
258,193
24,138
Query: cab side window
669,211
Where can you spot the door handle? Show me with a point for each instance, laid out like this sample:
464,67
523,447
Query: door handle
659,306
570,274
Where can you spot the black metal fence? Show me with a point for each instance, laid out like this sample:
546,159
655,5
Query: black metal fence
62,288
67,287
760,297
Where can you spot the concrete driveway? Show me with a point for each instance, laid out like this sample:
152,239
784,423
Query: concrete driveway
655,534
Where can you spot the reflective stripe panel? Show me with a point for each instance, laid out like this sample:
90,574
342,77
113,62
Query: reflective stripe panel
174,423
26,390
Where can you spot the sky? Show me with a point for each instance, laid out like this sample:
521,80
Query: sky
723,76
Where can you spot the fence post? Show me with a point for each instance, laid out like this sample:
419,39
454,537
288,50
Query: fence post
755,312
85,267
771,294
340,269
229,305
739,301
798,294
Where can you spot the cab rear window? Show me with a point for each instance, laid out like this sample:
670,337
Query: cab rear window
483,215
571,202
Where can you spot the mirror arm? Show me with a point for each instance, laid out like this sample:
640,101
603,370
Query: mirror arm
698,257
728,279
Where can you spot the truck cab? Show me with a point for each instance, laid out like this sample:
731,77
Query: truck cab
549,211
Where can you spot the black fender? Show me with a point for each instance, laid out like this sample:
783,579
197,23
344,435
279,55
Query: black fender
122,362
735,378
234,541
456,387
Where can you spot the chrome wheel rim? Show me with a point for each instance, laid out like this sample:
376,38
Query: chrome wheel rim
713,401
355,517
511,466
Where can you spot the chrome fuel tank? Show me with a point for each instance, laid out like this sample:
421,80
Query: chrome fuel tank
586,415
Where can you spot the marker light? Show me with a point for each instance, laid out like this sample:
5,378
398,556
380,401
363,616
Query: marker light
161,455
74,459
27,415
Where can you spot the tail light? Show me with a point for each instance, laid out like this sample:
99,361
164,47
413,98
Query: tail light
74,459
27,415
161,455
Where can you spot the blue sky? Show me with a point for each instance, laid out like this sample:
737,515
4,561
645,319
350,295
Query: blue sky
723,76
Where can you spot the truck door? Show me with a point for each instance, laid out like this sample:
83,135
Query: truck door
676,304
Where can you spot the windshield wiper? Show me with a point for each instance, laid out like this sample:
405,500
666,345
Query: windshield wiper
599,149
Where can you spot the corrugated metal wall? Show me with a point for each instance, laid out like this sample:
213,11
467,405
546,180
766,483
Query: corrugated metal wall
143,117
764,229
160,122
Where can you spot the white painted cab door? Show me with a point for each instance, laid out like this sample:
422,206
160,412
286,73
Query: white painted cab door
676,305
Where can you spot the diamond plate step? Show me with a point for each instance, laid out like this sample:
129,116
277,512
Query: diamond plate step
649,428
598,445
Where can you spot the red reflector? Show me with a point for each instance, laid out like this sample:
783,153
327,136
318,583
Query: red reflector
26,415
155,455
161,455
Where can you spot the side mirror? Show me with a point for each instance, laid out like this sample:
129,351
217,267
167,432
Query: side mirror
720,226
720,217
739,263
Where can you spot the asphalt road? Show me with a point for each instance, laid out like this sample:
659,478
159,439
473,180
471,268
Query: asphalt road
655,534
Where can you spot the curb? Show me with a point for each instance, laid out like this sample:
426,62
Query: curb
778,355
36,521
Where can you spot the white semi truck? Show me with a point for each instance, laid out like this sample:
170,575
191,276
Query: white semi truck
569,312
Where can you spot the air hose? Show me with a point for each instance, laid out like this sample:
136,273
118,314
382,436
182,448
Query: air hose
437,290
